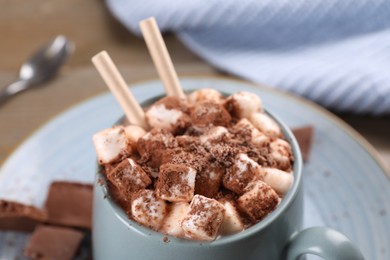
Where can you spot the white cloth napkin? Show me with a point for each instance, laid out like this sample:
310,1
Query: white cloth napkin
336,53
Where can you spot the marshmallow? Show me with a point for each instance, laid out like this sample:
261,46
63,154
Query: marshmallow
257,137
243,171
205,94
128,177
176,182
133,133
281,153
203,218
279,180
179,156
186,140
232,222
243,104
214,134
155,138
172,222
209,181
265,124
258,200
112,145
147,209
155,142
207,114
158,116
167,113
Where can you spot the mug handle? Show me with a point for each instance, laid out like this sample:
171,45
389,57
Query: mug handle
323,242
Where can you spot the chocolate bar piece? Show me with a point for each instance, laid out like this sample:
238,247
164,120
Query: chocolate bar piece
48,242
19,217
304,136
69,204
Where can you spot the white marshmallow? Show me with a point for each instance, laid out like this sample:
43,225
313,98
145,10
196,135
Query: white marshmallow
205,94
265,124
258,200
208,181
281,152
203,218
243,163
172,222
232,222
165,138
133,133
257,137
241,173
279,180
176,183
213,134
147,209
158,116
112,145
217,132
128,177
245,103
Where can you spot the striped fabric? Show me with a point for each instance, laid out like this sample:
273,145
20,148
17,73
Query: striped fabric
336,53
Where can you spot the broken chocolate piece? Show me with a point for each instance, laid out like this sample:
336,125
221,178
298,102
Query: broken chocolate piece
49,242
69,204
304,136
19,217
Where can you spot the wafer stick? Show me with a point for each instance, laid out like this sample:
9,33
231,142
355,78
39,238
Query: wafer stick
119,88
161,58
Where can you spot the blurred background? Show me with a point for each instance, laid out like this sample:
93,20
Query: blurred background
25,26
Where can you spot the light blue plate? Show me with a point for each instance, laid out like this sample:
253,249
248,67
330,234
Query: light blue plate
346,186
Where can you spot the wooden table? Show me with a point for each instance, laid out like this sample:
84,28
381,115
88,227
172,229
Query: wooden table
25,25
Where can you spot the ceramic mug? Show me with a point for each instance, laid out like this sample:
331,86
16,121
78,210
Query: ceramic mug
277,236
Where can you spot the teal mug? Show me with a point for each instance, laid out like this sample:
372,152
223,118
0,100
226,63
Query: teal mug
277,236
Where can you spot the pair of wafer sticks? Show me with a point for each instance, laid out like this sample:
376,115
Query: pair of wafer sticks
115,82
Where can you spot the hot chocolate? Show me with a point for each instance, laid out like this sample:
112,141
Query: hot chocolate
208,165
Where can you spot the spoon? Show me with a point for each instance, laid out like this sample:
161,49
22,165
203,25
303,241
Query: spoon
41,67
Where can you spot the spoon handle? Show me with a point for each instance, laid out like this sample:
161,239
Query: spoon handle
12,89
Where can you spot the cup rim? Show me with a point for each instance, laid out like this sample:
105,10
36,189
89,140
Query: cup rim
258,227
